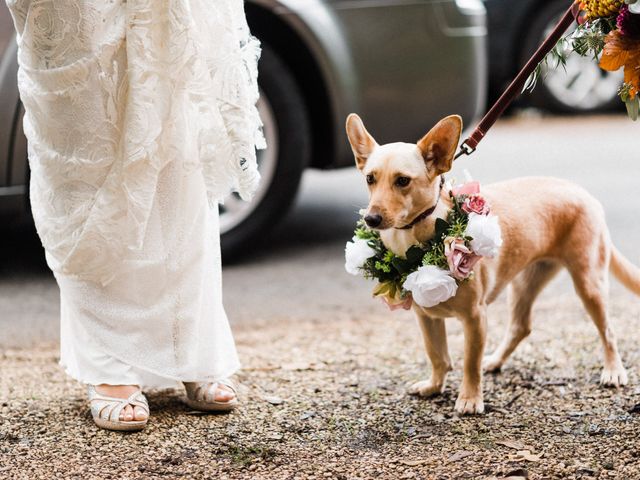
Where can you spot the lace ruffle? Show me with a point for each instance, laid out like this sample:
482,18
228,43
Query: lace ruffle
115,91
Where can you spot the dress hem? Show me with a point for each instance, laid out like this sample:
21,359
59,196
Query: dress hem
171,381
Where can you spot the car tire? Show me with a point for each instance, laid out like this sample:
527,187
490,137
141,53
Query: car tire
596,90
286,128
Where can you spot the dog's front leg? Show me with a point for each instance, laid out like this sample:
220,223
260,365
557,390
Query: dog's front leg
434,334
475,332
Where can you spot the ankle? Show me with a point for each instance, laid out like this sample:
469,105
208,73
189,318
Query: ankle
117,391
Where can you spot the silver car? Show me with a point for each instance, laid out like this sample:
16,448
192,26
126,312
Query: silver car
401,64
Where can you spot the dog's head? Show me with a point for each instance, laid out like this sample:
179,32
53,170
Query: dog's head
403,178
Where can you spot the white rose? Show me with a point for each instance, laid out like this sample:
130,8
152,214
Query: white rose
356,253
430,285
634,7
486,234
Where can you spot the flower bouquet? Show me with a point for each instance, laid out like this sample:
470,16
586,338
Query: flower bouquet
609,31
429,274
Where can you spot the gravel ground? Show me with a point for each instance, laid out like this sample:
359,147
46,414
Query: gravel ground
325,398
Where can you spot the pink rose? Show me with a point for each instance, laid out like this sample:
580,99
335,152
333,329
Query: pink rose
476,204
461,260
469,188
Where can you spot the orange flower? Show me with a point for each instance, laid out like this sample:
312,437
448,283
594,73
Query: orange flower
621,52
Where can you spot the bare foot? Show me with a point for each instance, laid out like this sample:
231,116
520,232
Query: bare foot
224,394
128,413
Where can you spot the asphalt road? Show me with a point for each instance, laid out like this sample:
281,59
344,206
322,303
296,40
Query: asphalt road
298,272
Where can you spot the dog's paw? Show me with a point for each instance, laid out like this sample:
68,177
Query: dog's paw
469,405
614,377
426,388
492,364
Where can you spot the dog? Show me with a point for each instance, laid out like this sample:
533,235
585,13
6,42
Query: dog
546,224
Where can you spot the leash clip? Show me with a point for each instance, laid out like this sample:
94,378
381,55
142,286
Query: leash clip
464,150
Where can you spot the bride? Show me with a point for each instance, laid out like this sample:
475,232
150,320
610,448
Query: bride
140,117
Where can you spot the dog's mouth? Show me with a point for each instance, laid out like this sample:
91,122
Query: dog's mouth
380,223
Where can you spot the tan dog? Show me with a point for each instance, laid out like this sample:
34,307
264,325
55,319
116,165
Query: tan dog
546,224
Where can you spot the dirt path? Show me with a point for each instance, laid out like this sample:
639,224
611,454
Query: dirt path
326,400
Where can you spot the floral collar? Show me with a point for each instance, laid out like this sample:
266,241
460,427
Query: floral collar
429,273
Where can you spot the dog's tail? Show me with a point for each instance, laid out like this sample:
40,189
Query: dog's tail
625,271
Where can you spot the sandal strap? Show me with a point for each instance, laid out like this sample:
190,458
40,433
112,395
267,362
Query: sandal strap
202,391
109,408
229,384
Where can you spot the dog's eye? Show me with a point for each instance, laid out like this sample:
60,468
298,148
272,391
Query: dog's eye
370,179
403,181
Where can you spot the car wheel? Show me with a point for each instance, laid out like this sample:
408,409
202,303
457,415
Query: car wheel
286,129
582,86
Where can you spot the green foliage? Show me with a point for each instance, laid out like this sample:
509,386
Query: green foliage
391,270
554,59
586,39
589,38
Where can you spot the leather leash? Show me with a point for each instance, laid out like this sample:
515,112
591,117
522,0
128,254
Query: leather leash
517,85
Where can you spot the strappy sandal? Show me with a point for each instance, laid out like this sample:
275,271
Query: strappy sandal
106,410
202,396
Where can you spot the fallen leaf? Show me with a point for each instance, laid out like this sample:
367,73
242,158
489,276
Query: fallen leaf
273,400
459,456
526,455
511,444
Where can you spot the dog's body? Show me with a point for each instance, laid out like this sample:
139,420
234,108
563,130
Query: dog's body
546,224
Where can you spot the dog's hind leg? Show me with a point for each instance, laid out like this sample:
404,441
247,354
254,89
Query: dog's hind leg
523,291
591,280
434,334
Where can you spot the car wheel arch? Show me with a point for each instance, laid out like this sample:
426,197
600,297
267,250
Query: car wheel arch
282,33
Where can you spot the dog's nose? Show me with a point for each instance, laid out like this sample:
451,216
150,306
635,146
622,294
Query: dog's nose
373,220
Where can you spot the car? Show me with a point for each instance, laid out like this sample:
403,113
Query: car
401,65
516,30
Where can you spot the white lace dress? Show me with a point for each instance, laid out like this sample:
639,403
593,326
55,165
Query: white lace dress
140,117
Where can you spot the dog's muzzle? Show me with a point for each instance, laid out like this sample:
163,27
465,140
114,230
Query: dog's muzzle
373,221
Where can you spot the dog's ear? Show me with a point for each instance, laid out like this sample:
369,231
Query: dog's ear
439,146
362,143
